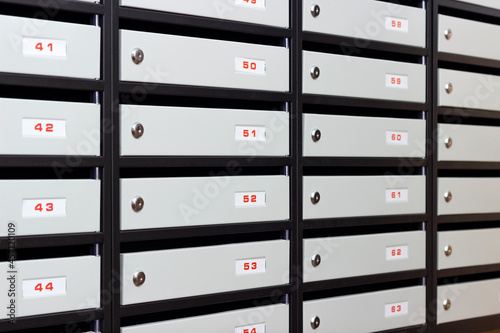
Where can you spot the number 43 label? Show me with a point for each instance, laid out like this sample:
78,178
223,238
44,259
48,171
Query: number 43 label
257,328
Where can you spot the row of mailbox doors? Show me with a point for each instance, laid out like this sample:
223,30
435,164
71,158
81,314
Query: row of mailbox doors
54,206
54,48
68,284
65,128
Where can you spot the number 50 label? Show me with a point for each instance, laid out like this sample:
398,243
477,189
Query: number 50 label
250,66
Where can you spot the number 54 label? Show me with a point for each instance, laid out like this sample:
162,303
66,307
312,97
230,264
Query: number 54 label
257,328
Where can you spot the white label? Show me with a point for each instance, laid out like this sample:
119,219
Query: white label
400,195
44,208
250,66
396,309
257,328
44,47
44,287
250,199
257,4
396,138
396,252
396,81
44,127
251,266
396,24
250,133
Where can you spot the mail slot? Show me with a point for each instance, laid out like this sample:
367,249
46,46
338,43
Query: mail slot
273,13
339,75
202,132
485,3
333,257
49,128
31,46
228,64
44,286
40,207
166,274
329,135
366,19
468,90
265,319
468,143
468,300
468,195
345,196
368,312
468,248
460,36
174,202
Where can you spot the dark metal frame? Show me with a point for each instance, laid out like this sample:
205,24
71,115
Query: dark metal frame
111,238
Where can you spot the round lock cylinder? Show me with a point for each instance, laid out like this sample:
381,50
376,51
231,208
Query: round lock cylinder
137,130
316,260
448,250
316,135
448,87
448,196
446,304
137,56
315,72
448,34
137,204
448,142
315,322
139,278
315,10
315,197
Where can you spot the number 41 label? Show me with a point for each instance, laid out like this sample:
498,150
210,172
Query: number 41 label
44,47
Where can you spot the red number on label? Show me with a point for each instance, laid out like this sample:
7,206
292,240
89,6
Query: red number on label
399,81
245,64
393,195
49,286
39,207
39,287
399,137
393,80
254,265
253,66
393,253
39,46
399,24
49,128
254,133
398,308
396,252
393,309
393,23
246,330
253,331
254,198
38,127
49,207
50,47
399,252
246,133
246,198
246,266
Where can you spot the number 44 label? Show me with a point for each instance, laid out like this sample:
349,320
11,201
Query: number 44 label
257,328
44,287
